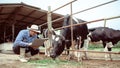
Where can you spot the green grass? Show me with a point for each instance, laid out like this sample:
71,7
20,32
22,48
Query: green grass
49,63
99,47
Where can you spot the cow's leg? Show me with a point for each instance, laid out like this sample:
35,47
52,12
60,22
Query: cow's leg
86,43
45,48
108,47
78,55
105,50
77,44
68,44
69,53
49,48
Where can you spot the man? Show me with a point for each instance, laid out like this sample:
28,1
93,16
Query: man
23,41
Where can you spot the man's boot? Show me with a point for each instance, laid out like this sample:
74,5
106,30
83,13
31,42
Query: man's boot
32,57
22,55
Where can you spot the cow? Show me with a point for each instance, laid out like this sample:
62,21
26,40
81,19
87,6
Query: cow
56,40
58,45
78,31
108,36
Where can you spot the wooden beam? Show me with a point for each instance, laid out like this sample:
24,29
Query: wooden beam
28,15
4,13
13,14
1,9
40,18
32,18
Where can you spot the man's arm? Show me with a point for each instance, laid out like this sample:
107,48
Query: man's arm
19,40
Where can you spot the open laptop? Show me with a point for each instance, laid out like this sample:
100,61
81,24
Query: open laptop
38,42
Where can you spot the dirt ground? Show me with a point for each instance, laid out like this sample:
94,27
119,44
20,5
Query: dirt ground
11,61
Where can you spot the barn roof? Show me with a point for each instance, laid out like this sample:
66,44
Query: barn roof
23,15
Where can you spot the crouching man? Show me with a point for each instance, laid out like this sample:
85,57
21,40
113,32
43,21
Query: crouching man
22,43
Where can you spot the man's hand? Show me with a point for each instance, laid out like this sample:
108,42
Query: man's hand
29,44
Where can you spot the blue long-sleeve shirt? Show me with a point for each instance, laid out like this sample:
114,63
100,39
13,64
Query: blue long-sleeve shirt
23,38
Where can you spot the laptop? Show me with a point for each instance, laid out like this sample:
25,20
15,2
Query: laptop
38,42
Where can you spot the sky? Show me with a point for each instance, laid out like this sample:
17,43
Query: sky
106,11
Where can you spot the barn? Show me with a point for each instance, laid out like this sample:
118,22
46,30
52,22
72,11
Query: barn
17,16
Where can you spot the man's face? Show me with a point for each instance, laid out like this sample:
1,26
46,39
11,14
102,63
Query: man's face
32,33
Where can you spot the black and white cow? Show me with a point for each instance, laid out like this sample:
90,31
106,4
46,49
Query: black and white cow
56,40
47,43
81,30
108,36
58,44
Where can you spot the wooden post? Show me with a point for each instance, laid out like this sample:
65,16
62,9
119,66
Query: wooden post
4,32
49,19
49,23
71,26
13,33
104,22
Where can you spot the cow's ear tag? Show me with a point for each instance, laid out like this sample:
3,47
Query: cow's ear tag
57,38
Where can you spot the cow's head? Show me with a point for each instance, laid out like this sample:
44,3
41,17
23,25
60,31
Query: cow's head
58,46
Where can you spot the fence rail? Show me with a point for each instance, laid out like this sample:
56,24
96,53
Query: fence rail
78,11
93,51
88,22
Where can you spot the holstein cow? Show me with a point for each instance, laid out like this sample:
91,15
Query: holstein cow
47,44
81,30
56,40
108,36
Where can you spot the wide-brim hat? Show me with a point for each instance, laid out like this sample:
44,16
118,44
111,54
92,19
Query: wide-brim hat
34,28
